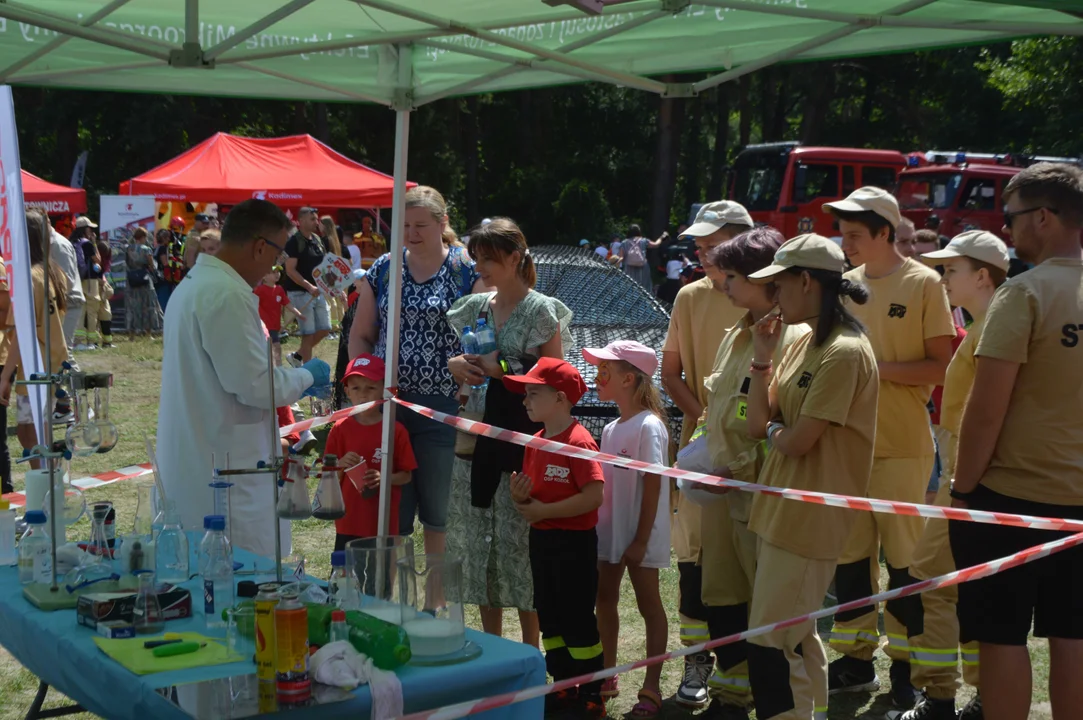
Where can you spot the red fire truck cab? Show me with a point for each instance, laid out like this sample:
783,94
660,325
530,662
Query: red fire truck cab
964,191
786,184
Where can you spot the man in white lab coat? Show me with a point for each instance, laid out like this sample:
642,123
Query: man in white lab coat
215,397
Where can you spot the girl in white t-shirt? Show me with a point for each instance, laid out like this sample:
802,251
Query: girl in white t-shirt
633,522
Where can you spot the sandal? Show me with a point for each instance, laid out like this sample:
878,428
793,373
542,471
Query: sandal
609,688
649,705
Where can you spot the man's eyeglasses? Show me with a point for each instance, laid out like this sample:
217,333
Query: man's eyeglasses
1009,217
276,246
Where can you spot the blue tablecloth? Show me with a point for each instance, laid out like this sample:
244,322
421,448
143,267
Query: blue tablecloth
52,646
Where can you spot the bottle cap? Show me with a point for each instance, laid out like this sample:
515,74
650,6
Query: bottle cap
217,522
247,589
34,517
338,558
338,616
207,521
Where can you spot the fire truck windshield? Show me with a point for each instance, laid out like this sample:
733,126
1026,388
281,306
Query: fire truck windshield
758,179
931,190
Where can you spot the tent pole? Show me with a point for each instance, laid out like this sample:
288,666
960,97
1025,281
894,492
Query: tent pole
402,106
191,21
257,27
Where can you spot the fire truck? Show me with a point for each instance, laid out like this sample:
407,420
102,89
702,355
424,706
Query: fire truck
786,184
961,190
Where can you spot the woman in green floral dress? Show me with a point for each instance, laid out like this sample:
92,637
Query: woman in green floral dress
484,529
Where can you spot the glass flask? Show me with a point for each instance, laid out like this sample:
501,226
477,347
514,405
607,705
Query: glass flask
83,437
327,503
147,616
293,501
171,558
430,590
100,383
99,549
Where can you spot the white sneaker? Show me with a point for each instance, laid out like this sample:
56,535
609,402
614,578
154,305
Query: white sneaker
306,444
81,347
693,689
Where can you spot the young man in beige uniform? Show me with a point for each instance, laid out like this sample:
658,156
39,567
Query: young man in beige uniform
1021,451
701,315
910,327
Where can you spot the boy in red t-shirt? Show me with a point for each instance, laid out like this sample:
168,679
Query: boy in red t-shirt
559,496
272,300
356,441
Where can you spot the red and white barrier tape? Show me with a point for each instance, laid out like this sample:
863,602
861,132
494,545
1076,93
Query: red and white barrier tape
954,578
18,499
891,507
300,427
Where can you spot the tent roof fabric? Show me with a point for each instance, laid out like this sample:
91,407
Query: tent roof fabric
350,50
292,171
53,198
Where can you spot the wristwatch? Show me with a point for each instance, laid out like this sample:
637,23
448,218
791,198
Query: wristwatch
958,494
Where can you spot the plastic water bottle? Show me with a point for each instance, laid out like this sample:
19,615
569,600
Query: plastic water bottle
486,338
35,551
342,591
469,342
8,557
340,631
217,570
171,550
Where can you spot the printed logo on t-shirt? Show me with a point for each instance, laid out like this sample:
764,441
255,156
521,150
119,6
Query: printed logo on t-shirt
896,310
1071,335
805,380
555,473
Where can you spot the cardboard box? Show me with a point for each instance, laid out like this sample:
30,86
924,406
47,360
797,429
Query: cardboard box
116,629
96,608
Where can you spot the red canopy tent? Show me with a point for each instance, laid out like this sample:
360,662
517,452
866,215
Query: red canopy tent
289,171
53,199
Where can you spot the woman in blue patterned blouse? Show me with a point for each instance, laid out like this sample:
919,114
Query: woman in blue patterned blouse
437,271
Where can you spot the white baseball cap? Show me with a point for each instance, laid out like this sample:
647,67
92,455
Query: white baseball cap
869,199
716,215
980,245
811,251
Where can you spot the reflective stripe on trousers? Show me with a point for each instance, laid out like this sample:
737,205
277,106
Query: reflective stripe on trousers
694,633
932,657
732,682
849,636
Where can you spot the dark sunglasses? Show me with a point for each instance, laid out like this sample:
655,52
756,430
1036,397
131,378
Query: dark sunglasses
276,246
1009,217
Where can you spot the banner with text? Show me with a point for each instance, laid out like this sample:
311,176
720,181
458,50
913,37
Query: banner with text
120,215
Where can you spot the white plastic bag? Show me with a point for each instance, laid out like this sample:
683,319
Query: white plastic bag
696,457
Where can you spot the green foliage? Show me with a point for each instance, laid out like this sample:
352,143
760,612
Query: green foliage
581,211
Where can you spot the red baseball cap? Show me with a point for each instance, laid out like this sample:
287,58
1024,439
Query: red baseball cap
367,366
554,373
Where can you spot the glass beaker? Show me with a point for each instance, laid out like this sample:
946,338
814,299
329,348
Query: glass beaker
83,437
374,563
100,384
430,588
327,503
147,615
171,559
293,501
71,502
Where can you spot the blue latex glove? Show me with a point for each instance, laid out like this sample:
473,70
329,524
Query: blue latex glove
321,372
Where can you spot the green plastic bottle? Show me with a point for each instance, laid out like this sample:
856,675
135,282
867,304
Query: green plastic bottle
386,644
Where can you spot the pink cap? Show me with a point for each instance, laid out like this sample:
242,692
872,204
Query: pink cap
634,353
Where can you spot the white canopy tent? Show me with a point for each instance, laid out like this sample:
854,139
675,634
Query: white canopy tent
405,53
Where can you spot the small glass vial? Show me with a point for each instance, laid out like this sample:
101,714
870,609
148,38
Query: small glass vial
339,629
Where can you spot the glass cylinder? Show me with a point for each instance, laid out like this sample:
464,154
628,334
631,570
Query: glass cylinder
373,561
83,437
147,615
70,500
144,512
221,490
100,383
430,588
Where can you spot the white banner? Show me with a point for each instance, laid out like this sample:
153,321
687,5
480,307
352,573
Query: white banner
120,215
17,256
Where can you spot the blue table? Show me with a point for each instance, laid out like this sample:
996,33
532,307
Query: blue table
63,654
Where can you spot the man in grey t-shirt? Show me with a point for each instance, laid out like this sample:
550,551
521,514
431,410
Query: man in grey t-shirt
63,252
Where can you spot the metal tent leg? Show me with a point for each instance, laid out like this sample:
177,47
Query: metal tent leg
35,710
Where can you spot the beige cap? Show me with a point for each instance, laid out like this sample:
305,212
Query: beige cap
716,215
84,221
979,245
869,199
814,252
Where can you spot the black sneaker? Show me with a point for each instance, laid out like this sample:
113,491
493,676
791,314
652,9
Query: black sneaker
903,692
693,689
724,711
926,709
972,710
850,675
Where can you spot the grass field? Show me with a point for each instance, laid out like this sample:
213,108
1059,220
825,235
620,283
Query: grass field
137,371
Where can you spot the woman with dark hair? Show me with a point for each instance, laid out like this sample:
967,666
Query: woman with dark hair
817,412
38,236
484,528
140,303
633,256
728,555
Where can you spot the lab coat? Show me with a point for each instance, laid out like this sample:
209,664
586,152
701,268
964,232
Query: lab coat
215,400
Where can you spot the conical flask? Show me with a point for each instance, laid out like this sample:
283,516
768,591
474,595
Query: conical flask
327,503
293,500
147,614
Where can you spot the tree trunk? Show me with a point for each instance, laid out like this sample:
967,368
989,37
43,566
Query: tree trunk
782,99
693,154
868,102
768,91
716,187
322,130
471,140
670,111
744,87
820,92
300,122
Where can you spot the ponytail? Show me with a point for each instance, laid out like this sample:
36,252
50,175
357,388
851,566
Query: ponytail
646,394
527,271
833,313
450,238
